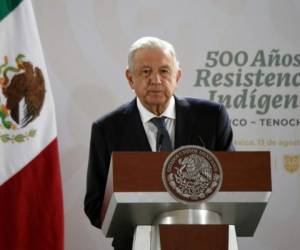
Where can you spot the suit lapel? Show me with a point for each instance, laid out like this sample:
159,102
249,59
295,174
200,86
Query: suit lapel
183,125
136,135
135,130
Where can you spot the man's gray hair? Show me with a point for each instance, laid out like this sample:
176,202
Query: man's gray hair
150,42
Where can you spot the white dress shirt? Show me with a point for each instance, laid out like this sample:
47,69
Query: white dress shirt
151,129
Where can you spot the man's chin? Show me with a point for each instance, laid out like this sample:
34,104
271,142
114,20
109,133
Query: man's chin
157,100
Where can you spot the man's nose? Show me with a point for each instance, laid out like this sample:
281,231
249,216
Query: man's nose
156,78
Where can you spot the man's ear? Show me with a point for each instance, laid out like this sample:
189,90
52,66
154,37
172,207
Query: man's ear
129,78
178,75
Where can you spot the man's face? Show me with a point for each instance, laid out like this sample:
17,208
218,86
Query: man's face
154,78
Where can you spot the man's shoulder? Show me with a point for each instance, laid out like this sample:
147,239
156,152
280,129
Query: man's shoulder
198,103
116,114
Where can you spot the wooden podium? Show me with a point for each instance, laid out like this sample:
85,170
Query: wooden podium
137,203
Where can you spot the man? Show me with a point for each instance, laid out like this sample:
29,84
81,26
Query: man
153,73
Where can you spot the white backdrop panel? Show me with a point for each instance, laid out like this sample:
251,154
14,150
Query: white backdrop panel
85,45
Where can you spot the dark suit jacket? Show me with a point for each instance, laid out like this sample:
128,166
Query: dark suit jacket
198,122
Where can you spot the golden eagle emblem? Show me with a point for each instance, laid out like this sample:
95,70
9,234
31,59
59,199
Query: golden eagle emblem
291,163
23,93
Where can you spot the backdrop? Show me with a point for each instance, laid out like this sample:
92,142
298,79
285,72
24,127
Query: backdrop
244,54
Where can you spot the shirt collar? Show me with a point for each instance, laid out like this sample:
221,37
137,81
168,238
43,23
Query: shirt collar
146,115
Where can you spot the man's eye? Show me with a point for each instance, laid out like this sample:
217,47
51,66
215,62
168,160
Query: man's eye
164,71
146,71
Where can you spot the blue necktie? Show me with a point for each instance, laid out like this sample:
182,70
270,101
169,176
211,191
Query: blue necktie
163,140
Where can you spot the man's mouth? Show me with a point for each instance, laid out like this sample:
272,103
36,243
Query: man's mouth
155,90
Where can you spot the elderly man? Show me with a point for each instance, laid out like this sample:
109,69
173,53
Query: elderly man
155,120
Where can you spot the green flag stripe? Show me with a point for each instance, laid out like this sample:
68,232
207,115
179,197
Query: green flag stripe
7,6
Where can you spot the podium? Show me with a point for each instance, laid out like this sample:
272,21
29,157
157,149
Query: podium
137,203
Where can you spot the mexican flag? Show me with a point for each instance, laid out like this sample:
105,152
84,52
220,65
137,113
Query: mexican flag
31,206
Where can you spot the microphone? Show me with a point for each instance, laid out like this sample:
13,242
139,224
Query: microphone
201,141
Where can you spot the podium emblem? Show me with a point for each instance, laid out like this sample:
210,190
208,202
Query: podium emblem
192,174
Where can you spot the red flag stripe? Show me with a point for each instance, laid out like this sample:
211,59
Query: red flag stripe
31,208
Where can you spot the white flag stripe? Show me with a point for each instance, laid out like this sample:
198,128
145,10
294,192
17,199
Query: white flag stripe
20,27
